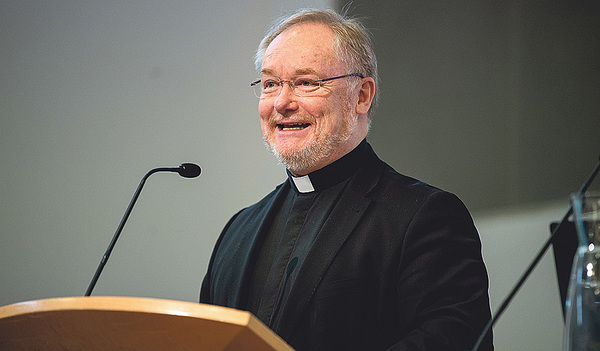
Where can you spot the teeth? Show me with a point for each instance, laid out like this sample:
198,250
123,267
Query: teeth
293,126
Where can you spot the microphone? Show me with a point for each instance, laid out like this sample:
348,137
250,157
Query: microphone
186,170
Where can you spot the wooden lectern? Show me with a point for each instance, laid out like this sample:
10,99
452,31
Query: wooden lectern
128,323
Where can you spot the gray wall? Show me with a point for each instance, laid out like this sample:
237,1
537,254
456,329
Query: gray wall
96,93
476,99
498,101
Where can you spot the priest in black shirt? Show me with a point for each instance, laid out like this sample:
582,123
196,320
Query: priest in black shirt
346,254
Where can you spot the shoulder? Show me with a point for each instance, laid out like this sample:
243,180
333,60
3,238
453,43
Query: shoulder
391,191
252,213
383,183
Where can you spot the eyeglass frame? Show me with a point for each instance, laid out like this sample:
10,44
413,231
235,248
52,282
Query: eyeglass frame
281,82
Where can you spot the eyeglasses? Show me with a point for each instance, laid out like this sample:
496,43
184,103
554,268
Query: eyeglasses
301,86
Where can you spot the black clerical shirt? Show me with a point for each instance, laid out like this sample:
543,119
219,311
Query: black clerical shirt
296,223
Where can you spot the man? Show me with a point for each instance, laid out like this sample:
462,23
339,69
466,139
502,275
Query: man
346,254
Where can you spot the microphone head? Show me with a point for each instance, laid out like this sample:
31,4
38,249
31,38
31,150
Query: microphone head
189,170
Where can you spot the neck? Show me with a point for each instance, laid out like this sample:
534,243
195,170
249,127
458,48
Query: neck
333,173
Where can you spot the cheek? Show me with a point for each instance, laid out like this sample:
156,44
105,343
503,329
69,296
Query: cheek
265,108
264,127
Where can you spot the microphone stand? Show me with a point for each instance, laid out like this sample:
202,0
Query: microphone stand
187,170
534,263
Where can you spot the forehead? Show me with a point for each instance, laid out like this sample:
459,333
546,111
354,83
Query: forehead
302,47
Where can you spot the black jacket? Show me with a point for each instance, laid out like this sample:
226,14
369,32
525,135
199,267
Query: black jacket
397,265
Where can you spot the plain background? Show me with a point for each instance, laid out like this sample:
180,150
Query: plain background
495,102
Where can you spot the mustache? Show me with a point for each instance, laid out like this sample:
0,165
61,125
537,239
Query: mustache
298,119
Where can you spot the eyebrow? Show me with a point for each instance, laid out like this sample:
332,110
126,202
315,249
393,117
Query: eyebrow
299,71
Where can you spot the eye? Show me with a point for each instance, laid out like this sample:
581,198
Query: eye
270,84
306,84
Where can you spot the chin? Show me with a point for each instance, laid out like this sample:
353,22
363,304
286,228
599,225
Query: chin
294,160
299,160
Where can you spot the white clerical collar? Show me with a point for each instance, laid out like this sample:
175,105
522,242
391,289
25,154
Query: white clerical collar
303,184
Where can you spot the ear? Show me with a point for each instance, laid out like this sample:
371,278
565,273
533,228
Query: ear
366,95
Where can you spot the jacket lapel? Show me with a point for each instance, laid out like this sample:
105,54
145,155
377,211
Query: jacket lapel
335,231
247,249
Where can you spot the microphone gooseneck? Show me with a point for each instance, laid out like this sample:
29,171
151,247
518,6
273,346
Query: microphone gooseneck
187,170
534,263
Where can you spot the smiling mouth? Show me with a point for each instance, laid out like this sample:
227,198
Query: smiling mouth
293,126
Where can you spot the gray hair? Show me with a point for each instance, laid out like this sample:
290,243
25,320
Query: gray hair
353,44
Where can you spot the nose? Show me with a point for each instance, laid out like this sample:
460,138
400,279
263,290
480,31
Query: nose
286,100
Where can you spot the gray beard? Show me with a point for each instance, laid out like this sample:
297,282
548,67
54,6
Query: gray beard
307,157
